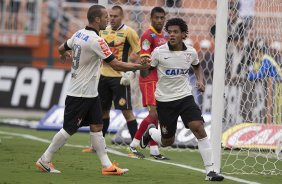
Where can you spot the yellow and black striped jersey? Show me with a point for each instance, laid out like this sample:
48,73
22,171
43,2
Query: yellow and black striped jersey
122,43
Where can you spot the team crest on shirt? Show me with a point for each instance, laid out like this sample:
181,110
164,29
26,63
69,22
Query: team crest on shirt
188,56
121,102
164,130
146,44
153,35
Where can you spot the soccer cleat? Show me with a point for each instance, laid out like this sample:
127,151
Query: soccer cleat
213,176
133,152
145,139
88,150
114,170
159,157
46,167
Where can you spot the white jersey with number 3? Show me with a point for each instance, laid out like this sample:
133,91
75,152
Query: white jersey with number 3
172,67
87,50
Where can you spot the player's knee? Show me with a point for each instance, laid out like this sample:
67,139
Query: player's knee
96,128
153,113
167,142
105,114
70,130
198,130
128,115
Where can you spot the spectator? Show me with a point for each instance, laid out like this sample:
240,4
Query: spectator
236,57
275,52
263,65
206,59
14,8
246,12
31,6
173,3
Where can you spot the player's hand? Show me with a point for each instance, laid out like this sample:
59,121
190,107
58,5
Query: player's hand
134,58
126,78
145,60
65,57
200,86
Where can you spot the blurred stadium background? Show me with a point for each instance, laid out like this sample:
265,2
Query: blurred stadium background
33,81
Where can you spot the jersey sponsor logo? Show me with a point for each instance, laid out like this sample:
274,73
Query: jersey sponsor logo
105,32
175,71
82,36
120,34
105,48
146,44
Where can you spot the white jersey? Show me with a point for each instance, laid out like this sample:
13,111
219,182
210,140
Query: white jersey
87,49
172,67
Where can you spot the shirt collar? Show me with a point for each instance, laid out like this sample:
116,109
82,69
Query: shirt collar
171,49
155,31
91,29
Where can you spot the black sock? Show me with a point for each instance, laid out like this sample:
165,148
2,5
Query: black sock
106,123
132,128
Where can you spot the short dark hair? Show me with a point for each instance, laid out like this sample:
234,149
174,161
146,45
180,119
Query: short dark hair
94,11
177,22
157,10
117,7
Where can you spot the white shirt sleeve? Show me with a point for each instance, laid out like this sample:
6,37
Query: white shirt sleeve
101,48
195,59
155,58
70,41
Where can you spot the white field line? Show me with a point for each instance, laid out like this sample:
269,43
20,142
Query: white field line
31,137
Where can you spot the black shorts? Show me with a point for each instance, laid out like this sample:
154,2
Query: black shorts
110,90
81,111
168,113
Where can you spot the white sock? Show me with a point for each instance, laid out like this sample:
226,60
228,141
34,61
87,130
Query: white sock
57,142
156,135
206,153
99,145
135,143
154,150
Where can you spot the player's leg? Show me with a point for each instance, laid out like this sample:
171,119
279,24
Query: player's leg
122,101
98,141
168,115
105,95
192,117
148,100
73,115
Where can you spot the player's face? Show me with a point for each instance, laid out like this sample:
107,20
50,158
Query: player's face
115,18
175,36
158,20
104,19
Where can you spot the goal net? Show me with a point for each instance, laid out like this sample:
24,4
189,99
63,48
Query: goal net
251,123
252,129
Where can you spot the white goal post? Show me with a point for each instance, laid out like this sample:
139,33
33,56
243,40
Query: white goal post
218,81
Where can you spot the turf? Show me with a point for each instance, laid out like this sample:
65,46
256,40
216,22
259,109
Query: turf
18,155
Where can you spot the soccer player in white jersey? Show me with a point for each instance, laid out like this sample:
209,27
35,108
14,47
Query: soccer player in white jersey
82,105
174,96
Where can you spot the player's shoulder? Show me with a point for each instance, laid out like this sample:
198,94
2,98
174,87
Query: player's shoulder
162,48
148,33
190,48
